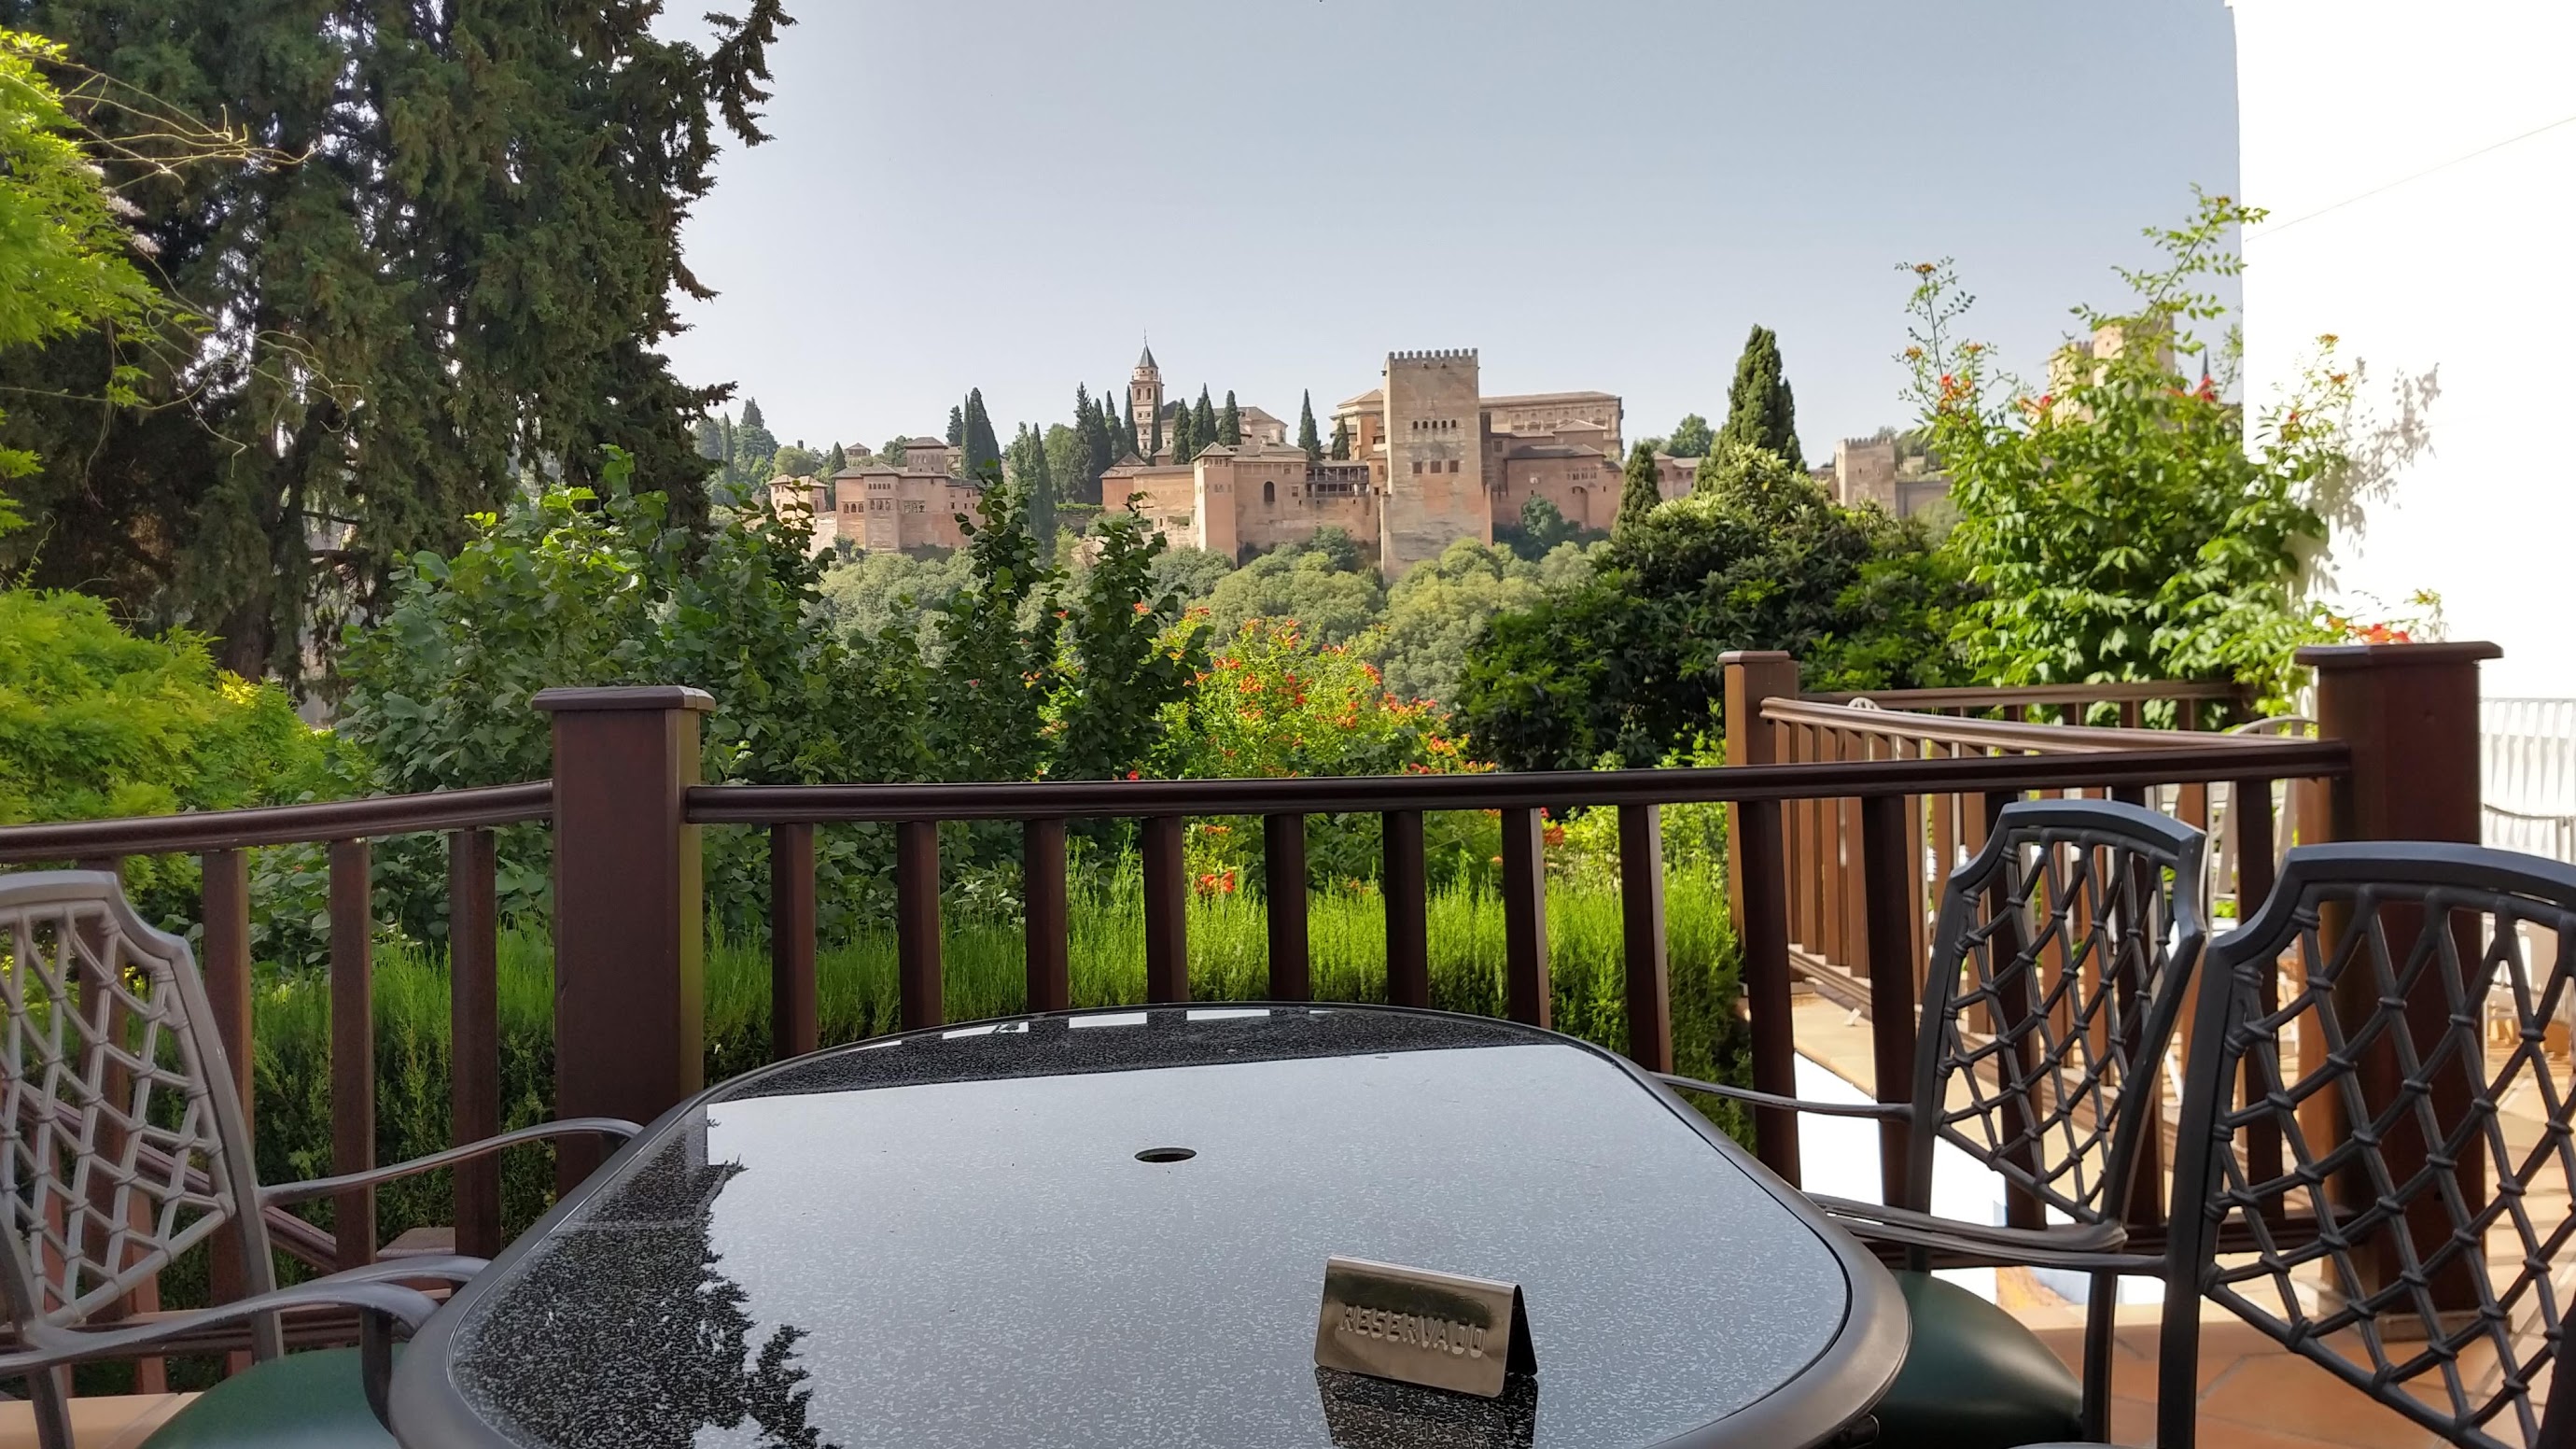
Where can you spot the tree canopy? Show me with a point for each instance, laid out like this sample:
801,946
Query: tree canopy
1760,413
449,286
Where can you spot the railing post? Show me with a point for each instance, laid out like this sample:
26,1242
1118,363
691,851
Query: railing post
1283,890
1752,676
1641,920
1757,884
794,1025
630,935
474,1035
225,962
1528,996
1042,881
920,989
1167,907
1404,885
2409,714
353,1049
1887,880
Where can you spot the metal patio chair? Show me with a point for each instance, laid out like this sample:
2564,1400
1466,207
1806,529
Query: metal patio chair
2060,960
2370,1232
123,1147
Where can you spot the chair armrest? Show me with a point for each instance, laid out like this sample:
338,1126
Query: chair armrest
46,1347
1885,1110
445,1267
294,1192
1859,1217
1996,1247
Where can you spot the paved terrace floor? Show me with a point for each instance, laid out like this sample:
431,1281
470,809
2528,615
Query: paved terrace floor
2252,1394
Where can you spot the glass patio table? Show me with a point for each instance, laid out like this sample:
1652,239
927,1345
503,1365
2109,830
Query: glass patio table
1110,1229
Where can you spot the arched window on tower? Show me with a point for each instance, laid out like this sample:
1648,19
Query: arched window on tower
1269,492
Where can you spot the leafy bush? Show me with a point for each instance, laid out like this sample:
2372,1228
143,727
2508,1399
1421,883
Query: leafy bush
1623,663
2117,522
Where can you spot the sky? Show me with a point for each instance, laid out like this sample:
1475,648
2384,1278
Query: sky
1014,194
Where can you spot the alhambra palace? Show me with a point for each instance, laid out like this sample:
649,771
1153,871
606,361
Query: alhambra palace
1432,460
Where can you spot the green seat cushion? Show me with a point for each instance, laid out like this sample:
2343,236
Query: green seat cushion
1974,1378
302,1401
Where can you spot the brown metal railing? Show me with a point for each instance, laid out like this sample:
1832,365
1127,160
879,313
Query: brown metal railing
221,840
626,811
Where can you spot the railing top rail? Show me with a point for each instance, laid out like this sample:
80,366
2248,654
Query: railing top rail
2000,734
1997,697
379,815
1136,799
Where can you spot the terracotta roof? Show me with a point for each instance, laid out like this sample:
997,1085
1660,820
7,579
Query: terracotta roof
1375,395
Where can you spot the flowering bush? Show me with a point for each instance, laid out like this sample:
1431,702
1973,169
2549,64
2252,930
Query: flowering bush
1274,703
2116,520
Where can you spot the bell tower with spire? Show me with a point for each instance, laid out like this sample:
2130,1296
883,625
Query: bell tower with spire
1144,401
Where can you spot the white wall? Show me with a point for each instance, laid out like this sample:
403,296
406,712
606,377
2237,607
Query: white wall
2419,163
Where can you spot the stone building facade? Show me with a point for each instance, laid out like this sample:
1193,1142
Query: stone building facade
1869,470
880,507
1433,460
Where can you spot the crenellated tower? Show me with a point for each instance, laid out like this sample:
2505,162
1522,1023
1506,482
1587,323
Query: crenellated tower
1435,458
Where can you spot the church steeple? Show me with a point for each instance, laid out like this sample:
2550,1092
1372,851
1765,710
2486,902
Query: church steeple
1145,401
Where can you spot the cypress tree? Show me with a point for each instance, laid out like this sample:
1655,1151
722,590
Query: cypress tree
1341,440
838,463
1229,424
1760,412
1154,445
1122,434
1185,444
980,460
1306,437
1639,494
1203,424
957,427
1028,467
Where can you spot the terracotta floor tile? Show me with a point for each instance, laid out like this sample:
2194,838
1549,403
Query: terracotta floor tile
2278,1392
117,1421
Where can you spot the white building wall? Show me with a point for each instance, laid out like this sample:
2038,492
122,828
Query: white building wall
2418,158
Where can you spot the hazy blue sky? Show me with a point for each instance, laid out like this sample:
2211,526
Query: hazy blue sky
1596,193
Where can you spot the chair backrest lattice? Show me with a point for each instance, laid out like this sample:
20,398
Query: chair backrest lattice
120,1144
2428,1173
2058,969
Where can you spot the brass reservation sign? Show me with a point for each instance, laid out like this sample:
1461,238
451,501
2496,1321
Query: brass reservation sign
1437,1330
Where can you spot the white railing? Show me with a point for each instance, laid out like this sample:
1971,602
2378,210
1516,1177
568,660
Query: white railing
2528,758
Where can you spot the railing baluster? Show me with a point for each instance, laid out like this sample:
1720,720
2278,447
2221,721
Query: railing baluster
1283,886
474,1035
794,1024
1641,920
1167,921
1886,884
1526,992
1406,890
353,1049
1047,921
916,890
2249,833
1766,982
226,969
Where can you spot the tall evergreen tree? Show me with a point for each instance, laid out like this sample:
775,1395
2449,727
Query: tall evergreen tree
400,323
980,457
1306,436
1122,434
1203,424
1154,443
754,447
957,427
1759,410
1341,440
1185,443
837,462
1029,473
710,438
1638,493
1090,450
1229,424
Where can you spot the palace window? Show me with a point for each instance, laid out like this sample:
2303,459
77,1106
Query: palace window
1269,492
